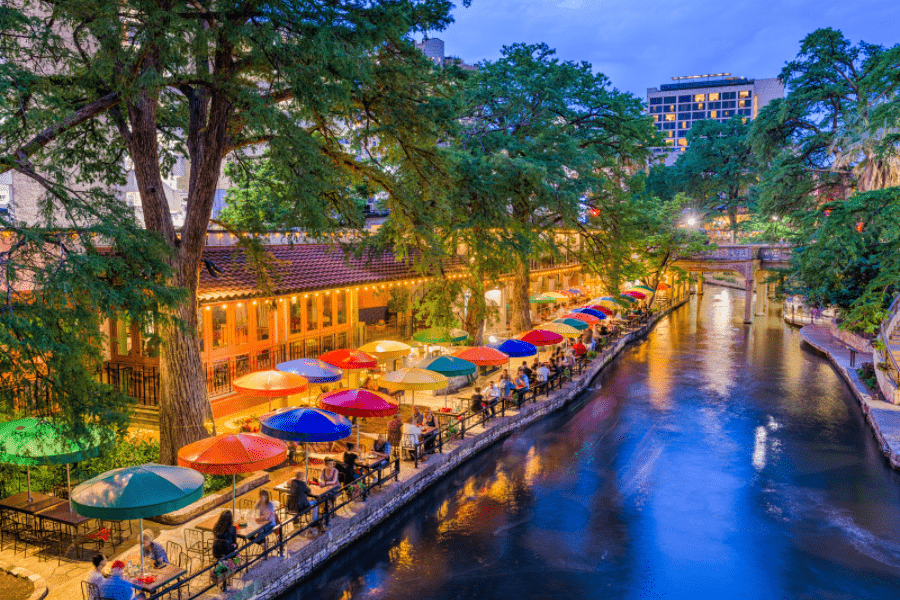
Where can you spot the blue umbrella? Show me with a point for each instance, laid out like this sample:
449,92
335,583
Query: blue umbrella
302,424
313,369
516,348
590,311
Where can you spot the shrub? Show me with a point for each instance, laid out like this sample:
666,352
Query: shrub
866,373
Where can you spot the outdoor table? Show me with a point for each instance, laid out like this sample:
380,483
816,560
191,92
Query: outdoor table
163,576
61,515
19,503
245,533
316,491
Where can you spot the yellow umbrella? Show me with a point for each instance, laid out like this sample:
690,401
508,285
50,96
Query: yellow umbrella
562,329
387,349
412,379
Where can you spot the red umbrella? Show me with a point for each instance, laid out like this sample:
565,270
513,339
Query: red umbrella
635,294
662,287
350,360
482,356
579,349
270,384
589,319
604,309
229,454
358,403
541,337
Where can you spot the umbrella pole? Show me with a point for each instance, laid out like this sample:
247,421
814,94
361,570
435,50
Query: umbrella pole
69,484
141,541
233,493
306,446
28,471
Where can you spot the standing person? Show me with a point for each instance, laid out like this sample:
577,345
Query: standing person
115,587
225,536
298,499
395,431
95,575
265,516
153,550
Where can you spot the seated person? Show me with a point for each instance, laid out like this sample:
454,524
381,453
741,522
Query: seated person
347,469
418,416
330,475
394,431
381,448
116,587
153,550
265,516
506,386
412,433
492,394
95,575
298,499
521,380
225,536
430,420
543,372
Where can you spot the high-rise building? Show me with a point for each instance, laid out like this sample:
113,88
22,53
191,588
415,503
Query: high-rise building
678,105
433,48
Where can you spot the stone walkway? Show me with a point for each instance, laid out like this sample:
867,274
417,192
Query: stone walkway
883,417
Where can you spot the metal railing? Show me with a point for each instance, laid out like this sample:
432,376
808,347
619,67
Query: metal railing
140,382
884,336
328,506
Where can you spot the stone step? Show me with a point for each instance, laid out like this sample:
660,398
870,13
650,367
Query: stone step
145,417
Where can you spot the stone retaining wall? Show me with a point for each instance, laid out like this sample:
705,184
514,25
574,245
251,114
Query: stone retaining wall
858,343
270,582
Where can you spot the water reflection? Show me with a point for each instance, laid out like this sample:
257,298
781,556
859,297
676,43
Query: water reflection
717,460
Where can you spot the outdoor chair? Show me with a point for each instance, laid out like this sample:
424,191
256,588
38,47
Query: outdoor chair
408,446
246,504
173,549
89,591
195,544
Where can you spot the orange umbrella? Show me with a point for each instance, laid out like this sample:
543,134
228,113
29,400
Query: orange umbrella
229,454
270,384
662,287
589,319
482,356
350,360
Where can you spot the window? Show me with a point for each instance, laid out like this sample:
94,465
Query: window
728,104
670,117
312,348
262,321
241,324
4,199
684,116
133,199
312,314
327,311
670,142
684,98
669,99
744,111
699,97
713,96
123,334
672,107
744,94
742,103
682,142
670,134
341,301
699,116
296,316
149,341
713,114
729,95
219,329
684,125
715,105
200,327
656,100
669,125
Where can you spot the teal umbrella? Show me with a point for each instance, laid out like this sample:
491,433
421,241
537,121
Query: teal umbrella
440,335
448,366
35,442
576,323
147,490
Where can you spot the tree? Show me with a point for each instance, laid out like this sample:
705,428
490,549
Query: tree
85,84
718,167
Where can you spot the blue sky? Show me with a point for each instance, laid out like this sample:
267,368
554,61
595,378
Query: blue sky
643,43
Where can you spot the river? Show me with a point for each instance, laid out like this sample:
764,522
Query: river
713,460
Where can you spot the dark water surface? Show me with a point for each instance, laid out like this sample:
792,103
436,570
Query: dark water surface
717,460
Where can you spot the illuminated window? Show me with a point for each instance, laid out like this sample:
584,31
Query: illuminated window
327,310
699,106
312,314
670,134
699,97
296,316
713,114
670,142
341,300
200,327
123,334
684,125
742,103
219,331
670,117
744,120
262,321
682,142
744,94
713,96
241,324
672,107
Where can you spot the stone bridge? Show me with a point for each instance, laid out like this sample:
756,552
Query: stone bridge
754,262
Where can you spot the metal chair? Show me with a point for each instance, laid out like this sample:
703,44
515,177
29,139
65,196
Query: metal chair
195,544
173,549
408,446
89,591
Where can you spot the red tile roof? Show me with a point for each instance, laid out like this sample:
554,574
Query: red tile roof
296,268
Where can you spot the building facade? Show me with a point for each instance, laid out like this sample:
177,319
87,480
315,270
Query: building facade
676,106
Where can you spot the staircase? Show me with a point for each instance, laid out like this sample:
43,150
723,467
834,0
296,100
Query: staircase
145,417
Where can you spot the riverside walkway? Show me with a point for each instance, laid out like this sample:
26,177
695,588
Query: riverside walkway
302,554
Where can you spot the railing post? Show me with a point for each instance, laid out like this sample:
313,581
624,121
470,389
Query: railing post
852,357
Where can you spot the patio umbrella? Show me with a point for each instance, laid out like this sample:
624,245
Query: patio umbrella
306,425
483,356
516,348
575,291
270,384
646,288
662,287
413,379
34,442
387,349
589,319
568,328
541,299
541,337
313,370
147,490
349,360
440,335
604,309
358,403
627,298
639,294
557,295
590,311
448,366
230,454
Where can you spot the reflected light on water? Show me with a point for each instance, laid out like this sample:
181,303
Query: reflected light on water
717,359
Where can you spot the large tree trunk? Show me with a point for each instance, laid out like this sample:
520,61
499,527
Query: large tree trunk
520,317
476,315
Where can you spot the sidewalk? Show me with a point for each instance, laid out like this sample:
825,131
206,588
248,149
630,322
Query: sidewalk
883,417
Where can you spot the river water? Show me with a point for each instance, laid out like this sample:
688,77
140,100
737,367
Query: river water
714,460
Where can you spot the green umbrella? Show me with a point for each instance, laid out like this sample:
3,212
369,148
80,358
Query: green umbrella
440,335
541,299
34,442
147,490
576,323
